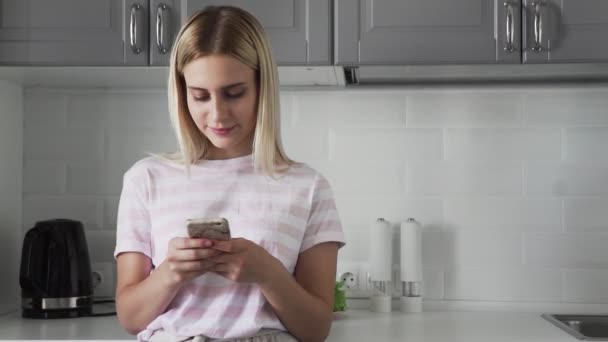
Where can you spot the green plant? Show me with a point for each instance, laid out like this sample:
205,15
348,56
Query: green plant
339,297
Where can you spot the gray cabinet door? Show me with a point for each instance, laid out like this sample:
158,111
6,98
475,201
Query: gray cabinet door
164,25
562,31
425,31
299,30
72,32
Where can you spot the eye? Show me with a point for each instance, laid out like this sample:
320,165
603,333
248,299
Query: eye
235,94
200,97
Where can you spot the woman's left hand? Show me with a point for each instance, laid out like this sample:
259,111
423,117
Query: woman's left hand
243,261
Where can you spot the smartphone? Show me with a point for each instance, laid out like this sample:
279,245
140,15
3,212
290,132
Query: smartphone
214,228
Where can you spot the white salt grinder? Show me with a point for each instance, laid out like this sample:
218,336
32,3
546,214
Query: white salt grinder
381,265
411,266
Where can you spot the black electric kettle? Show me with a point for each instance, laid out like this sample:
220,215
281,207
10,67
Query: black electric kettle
55,275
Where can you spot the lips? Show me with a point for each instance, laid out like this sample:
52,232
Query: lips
221,131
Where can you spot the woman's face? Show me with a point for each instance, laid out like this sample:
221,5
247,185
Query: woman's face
222,99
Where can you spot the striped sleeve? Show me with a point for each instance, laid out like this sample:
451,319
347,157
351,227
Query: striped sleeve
323,222
133,223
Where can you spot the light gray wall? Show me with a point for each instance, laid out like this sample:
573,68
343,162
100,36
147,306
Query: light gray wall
11,150
510,182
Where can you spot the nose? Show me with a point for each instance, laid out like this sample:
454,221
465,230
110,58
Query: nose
218,110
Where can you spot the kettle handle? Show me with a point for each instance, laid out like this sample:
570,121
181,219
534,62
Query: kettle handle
31,272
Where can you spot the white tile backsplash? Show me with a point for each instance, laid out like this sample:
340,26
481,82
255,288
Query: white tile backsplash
504,284
11,193
505,214
503,144
510,184
586,214
464,178
468,109
566,179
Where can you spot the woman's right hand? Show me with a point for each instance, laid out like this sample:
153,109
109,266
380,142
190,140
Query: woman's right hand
187,258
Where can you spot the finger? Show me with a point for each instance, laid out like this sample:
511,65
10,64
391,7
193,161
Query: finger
221,268
192,266
195,254
187,243
224,246
223,258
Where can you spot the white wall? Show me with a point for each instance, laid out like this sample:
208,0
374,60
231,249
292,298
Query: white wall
511,183
11,156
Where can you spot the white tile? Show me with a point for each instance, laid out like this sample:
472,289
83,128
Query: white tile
357,246
101,245
122,109
432,283
361,211
587,286
82,208
568,250
286,115
358,177
135,143
44,177
435,249
503,144
503,284
565,179
63,144
586,214
504,214
12,241
378,143
110,213
464,109
306,145
586,144
569,107
483,249
454,178
338,108
45,107
11,138
96,179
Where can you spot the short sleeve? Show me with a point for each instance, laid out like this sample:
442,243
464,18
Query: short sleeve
133,223
323,223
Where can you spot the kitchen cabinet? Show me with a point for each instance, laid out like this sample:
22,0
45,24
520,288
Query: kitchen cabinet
563,31
141,32
87,32
299,30
470,31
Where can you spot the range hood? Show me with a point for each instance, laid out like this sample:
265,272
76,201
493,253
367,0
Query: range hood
312,76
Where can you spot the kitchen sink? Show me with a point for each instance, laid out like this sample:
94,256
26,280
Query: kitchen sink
583,327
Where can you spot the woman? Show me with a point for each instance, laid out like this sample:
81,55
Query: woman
273,281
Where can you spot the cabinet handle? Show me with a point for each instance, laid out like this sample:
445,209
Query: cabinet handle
133,25
160,28
538,26
510,29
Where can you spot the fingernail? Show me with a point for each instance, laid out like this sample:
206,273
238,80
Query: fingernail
208,243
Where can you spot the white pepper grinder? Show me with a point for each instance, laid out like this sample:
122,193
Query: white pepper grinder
381,265
411,266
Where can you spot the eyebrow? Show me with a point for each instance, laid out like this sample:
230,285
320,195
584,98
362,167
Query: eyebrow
224,87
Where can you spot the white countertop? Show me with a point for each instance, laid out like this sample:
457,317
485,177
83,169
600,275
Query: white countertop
350,326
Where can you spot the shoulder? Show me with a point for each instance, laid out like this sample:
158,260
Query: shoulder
308,175
151,167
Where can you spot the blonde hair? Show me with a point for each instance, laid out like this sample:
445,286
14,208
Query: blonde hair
230,31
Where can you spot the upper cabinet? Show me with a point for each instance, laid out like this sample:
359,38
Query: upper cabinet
562,31
141,32
86,32
313,32
299,30
470,31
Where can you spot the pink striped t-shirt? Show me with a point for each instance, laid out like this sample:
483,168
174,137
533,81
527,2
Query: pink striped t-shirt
286,216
